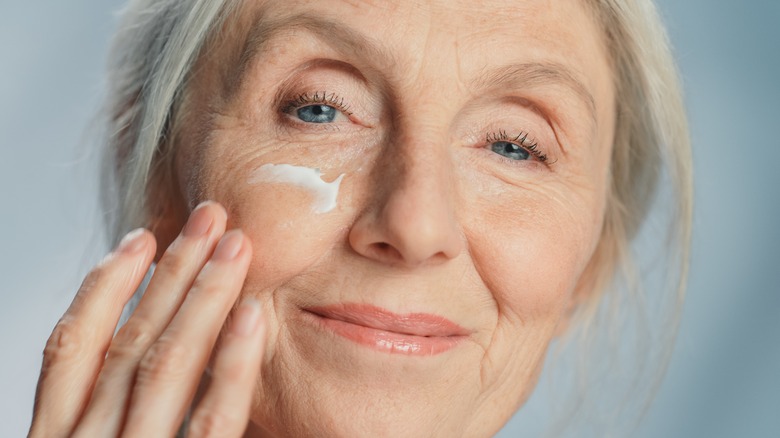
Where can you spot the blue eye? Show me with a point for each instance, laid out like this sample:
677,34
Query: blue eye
510,150
515,148
317,113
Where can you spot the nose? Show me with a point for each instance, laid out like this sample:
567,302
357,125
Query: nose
410,219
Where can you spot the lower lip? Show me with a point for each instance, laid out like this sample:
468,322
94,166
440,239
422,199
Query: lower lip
386,341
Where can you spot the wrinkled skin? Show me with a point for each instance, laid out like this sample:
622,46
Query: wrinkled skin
474,139
429,218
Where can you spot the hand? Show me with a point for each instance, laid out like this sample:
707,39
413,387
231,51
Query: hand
142,381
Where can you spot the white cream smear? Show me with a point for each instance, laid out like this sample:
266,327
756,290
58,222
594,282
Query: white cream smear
325,193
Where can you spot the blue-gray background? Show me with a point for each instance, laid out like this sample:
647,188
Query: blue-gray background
724,379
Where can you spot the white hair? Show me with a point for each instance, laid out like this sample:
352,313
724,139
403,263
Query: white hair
159,41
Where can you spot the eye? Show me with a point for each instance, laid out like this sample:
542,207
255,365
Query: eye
317,113
514,148
509,150
321,108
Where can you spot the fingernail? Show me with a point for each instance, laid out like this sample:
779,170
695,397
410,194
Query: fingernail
199,222
132,242
247,317
229,246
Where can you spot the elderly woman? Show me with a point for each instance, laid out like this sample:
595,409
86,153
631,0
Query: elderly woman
367,218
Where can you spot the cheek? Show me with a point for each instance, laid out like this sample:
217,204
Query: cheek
281,219
531,249
280,216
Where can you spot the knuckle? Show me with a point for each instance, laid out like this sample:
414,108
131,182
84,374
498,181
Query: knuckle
94,279
173,263
208,284
212,423
132,341
68,342
165,361
105,275
210,289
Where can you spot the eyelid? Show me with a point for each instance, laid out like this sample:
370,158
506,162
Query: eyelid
318,98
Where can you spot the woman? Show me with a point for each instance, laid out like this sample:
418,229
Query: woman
420,196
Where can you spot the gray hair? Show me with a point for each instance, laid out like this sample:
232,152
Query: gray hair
159,41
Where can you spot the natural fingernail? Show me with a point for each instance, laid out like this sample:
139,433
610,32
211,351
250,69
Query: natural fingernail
247,317
229,245
132,242
199,222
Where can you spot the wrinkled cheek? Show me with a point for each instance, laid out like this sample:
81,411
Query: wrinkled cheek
531,274
287,233
544,302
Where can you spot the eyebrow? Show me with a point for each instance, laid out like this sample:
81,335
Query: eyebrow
345,40
333,33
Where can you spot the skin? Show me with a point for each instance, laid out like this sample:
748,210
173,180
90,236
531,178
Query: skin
429,219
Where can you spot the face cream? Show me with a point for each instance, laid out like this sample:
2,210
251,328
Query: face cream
325,193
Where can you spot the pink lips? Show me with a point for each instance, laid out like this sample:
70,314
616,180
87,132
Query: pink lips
413,334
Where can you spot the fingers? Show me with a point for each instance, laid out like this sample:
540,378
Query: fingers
76,348
151,368
172,279
224,409
179,267
169,372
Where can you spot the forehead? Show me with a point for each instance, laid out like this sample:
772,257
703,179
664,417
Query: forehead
411,20
416,31
468,44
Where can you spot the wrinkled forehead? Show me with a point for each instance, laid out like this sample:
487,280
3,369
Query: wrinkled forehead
477,44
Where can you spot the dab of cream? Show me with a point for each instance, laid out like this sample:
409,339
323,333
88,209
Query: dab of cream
325,192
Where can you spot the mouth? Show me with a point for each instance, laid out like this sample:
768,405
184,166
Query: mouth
416,334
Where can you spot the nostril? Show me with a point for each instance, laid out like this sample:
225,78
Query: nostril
385,251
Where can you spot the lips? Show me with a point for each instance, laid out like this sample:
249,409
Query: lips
413,334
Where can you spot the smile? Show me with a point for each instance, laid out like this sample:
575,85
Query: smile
416,334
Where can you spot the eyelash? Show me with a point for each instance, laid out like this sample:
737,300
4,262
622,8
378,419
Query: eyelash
519,140
324,98
318,98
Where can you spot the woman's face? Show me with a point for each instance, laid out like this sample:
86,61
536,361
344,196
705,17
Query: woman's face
474,142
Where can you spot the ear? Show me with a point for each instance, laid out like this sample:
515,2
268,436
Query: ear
168,210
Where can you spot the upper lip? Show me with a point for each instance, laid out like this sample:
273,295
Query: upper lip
367,315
